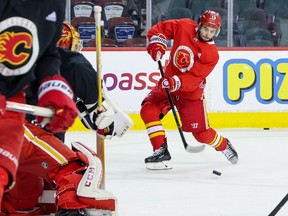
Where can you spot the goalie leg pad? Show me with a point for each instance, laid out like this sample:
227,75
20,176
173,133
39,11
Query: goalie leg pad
77,190
68,198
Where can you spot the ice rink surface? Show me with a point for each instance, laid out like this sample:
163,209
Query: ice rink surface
253,187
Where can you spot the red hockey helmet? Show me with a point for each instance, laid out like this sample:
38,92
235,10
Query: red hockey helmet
211,19
70,38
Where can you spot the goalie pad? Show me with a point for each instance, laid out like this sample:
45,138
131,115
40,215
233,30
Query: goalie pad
119,121
81,191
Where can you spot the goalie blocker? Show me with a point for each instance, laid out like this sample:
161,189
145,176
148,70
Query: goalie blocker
108,121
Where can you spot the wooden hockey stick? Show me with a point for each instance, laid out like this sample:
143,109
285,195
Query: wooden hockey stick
29,109
188,148
279,206
100,142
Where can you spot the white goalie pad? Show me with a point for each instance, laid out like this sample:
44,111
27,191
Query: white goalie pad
91,179
89,186
122,121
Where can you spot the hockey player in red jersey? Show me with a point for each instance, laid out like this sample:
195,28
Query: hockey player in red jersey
28,53
192,58
74,175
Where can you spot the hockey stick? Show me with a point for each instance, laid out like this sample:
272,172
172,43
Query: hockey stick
100,141
188,148
279,206
29,109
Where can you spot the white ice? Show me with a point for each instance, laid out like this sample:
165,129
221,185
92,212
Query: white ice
253,187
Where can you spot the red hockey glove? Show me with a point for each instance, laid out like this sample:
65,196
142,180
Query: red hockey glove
2,105
55,92
170,83
157,46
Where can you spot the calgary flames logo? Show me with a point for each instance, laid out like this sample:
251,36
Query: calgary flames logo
183,58
19,46
9,44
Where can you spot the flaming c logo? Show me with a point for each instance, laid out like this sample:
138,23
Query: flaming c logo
183,58
9,42
19,46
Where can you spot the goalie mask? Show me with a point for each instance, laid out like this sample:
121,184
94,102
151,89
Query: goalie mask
70,38
211,19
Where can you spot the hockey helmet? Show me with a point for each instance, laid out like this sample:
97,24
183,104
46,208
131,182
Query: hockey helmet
70,38
211,19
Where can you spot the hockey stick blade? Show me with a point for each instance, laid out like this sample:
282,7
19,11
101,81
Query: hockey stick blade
188,148
194,149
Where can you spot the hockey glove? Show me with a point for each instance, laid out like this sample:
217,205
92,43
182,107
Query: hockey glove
107,133
55,92
170,83
95,118
105,116
2,105
157,46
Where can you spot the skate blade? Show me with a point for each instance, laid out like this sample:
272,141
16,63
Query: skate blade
164,165
98,212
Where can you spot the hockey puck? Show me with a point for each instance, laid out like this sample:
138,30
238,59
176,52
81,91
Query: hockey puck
217,173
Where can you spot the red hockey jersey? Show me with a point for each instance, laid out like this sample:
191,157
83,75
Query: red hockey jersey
190,59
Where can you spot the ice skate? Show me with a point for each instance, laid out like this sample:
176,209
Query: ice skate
159,160
71,212
230,153
83,212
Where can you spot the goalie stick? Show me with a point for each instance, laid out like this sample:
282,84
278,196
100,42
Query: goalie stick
100,142
188,148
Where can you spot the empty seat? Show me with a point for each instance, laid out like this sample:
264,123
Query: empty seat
276,7
134,42
256,36
242,5
259,43
82,8
221,41
121,28
178,13
251,18
198,7
114,8
180,4
85,27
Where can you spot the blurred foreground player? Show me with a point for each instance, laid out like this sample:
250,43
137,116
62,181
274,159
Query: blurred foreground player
192,58
74,174
28,36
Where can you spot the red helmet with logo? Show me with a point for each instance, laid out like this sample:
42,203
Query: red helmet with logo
211,19
70,38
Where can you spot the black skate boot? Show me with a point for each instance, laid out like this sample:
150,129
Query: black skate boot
159,160
230,153
71,212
